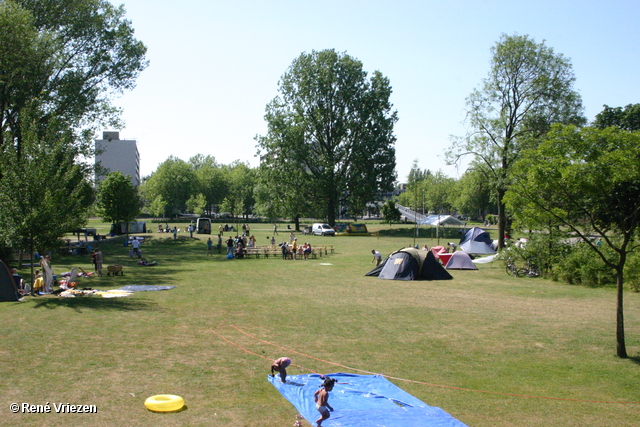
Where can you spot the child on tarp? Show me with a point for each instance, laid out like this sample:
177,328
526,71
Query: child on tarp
280,365
321,397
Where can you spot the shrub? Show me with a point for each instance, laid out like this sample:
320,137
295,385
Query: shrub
582,266
632,272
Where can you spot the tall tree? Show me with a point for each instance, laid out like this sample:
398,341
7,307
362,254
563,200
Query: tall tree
627,118
211,180
438,193
472,194
416,174
333,125
242,180
118,199
79,53
588,181
390,212
49,195
61,63
529,87
285,193
174,180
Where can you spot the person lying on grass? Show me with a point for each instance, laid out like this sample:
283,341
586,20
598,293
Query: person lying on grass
321,397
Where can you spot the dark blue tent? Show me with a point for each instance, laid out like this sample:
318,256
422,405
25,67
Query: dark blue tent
477,241
8,290
410,264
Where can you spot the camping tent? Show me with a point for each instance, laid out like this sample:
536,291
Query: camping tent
8,290
410,264
460,261
477,241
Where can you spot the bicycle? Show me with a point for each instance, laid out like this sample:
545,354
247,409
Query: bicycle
512,270
530,270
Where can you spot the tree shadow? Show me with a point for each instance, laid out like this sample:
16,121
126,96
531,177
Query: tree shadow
635,359
98,303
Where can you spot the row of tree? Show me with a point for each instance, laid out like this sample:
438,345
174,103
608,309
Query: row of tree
198,186
435,192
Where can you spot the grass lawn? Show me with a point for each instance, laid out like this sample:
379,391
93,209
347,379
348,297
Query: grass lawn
478,346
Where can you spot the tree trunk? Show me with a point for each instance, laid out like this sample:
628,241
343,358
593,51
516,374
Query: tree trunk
331,211
502,219
621,347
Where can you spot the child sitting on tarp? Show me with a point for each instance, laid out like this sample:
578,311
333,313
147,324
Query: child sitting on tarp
321,397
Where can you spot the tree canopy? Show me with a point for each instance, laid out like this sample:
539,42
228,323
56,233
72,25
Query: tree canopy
588,181
331,131
47,196
118,199
61,63
67,59
529,88
627,118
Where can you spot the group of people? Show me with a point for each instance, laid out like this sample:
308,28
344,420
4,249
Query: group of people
165,229
168,229
320,397
295,251
42,282
236,247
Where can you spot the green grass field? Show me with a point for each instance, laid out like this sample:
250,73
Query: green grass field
489,349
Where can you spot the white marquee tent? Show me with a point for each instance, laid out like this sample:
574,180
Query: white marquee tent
440,220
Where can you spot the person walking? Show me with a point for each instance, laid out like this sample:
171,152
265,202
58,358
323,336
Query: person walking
376,257
135,244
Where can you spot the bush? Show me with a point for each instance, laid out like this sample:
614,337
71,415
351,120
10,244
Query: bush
632,272
574,263
582,266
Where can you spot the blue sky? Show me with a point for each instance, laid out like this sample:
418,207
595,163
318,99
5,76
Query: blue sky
214,65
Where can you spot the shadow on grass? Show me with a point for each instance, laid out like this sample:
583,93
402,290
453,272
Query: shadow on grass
165,250
98,303
635,359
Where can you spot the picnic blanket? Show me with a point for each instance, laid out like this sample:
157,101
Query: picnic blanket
362,400
139,288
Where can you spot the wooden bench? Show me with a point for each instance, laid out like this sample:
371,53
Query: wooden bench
253,251
275,253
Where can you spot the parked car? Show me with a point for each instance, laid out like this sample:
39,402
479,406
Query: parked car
319,229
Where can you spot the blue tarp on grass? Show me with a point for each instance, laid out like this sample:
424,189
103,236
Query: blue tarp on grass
362,400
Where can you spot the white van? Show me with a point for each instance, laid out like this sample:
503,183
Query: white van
319,229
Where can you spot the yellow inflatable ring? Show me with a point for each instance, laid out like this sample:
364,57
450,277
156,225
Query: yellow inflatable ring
164,403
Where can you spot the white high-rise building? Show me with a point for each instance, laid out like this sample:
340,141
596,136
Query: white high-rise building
115,154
